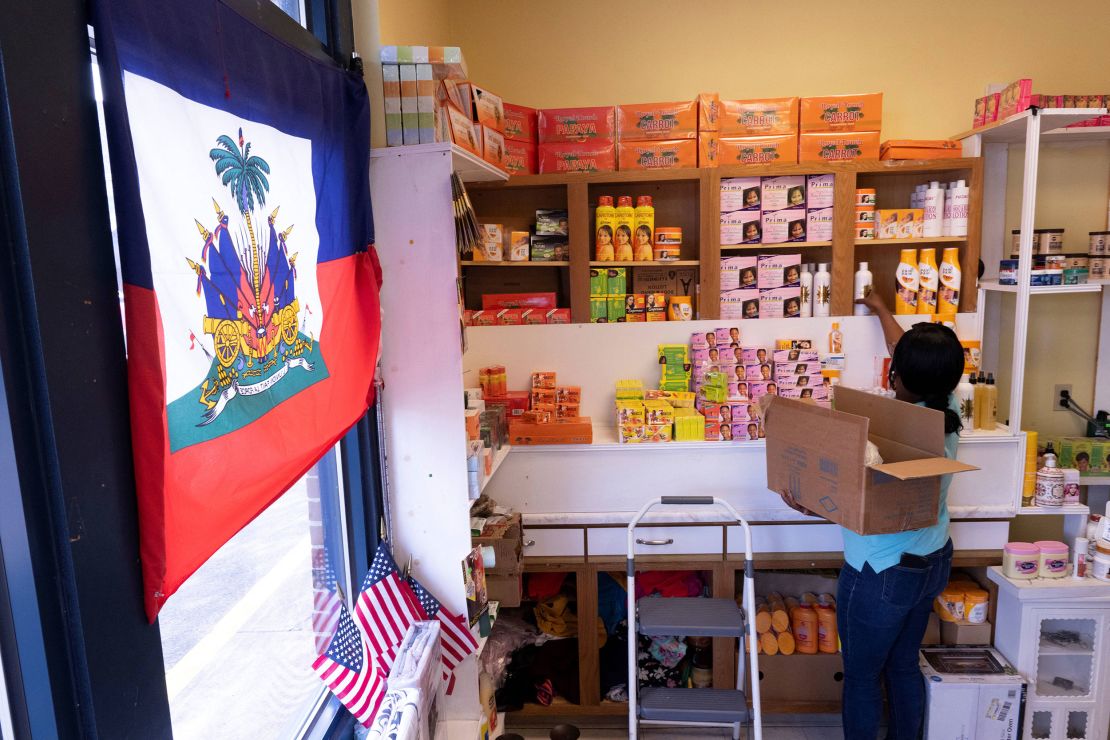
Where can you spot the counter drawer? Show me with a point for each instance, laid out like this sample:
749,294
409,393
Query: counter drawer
554,542
699,540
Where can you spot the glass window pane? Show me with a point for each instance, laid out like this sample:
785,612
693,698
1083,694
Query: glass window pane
239,637
293,8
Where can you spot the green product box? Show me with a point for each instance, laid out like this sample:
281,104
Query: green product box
1088,455
616,308
599,310
599,281
617,281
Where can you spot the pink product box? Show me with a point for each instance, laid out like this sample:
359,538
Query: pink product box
740,304
697,340
746,431
780,227
800,381
758,372
738,273
699,354
740,194
738,391
727,335
819,225
715,355
755,355
759,390
820,393
819,191
732,355
779,271
780,193
795,355
798,368
741,227
780,303
735,411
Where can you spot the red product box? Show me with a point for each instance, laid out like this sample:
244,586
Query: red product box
569,125
1015,98
516,401
518,300
483,318
558,316
510,317
520,123
589,156
533,316
520,157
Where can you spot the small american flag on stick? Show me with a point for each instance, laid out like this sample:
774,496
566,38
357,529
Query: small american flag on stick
386,606
351,673
456,639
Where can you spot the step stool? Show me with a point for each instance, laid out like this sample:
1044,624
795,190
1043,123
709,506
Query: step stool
692,617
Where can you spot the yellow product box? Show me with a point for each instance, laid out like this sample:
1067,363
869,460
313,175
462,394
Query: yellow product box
838,147
658,412
630,412
759,117
911,225
631,433
709,112
1088,455
709,149
658,121
756,150
630,390
679,399
656,306
689,425
888,223
843,113
658,432
519,246
657,155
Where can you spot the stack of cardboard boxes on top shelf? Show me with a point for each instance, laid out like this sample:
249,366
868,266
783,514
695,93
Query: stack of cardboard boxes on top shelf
1018,96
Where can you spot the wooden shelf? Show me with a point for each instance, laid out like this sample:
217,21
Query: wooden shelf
615,176
526,263
780,245
665,263
912,242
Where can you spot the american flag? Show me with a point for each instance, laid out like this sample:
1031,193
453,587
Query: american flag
386,607
325,598
351,673
455,637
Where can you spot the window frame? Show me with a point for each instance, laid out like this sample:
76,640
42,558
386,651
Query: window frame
96,667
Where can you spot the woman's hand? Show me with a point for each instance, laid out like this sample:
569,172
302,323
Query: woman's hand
789,500
874,303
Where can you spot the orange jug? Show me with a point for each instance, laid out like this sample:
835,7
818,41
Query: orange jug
826,629
804,621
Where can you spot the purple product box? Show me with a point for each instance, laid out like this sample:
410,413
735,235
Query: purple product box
780,303
819,191
755,355
798,368
741,227
795,355
819,224
780,227
762,372
740,194
780,193
779,271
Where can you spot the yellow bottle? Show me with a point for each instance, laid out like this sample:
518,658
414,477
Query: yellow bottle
605,223
643,232
623,223
929,282
950,279
979,401
905,299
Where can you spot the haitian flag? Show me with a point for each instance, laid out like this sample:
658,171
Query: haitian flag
240,168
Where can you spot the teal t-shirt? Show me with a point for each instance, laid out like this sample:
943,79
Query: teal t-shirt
884,550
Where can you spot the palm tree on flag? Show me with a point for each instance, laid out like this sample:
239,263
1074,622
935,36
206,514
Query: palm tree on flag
245,176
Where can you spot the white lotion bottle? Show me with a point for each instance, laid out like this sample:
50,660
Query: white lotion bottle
960,195
862,289
946,218
807,290
822,290
934,211
965,397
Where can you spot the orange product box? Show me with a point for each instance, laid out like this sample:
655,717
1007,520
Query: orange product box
920,149
520,123
520,157
537,417
568,394
484,317
709,112
709,149
643,121
544,379
658,155
838,147
489,109
493,145
518,300
756,150
566,410
576,430
462,129
568,125
558,316
842,113
598,155
509,317
448,90
533,316
759,117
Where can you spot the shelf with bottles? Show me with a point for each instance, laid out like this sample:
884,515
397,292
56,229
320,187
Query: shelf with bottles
885,263
779,246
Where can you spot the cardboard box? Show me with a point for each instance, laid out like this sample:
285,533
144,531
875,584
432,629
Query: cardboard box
932,630
391,94
493,145
574,431
410,108
971,694
646,121
709,112
817,455
447,61
757,150
520,158
842,113
658,155
520,123
965,633
576,125
505,590
741,194
462,129
799,678
508,546
595,155
920,149
838,147
759,117
709,149
664,280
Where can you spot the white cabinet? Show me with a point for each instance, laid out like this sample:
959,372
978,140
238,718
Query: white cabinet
1056,632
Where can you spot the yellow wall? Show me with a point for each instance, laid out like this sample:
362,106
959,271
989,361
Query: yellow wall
930,60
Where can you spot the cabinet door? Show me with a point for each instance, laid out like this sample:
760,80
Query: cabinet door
1069,647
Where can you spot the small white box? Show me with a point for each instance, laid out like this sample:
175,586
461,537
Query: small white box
971,694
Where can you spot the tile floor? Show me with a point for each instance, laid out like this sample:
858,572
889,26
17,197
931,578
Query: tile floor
783,727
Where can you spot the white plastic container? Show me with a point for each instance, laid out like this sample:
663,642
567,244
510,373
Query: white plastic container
862,289
946,218
934,211
960,196
965,397
822,290
1050,483
1079,557
807,290
1100,566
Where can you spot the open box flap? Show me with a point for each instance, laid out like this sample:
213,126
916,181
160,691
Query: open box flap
924,468
906,423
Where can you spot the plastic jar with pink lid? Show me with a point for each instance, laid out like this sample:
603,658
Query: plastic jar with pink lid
1021,560
1054,558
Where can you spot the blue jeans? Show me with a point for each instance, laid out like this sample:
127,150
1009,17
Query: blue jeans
882,618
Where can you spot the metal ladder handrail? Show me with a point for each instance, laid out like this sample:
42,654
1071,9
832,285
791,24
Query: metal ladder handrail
748,615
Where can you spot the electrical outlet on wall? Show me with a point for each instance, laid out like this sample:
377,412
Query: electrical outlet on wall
1056,391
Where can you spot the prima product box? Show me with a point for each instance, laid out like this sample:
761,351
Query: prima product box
972,694
780,303
779,270
740,304
780,227
758,371
786,356
779,193
819,225
738,272
741,227
727,335
819,191
740,194
817,455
